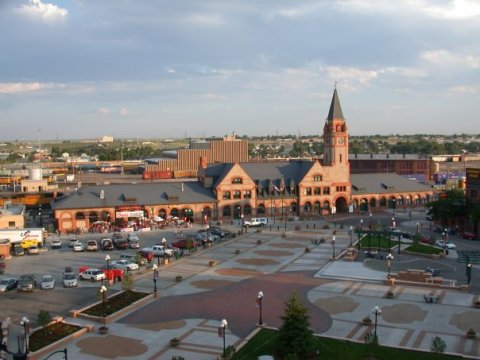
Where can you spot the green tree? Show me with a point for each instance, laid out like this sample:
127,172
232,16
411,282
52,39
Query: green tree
295,336
44,318
438,345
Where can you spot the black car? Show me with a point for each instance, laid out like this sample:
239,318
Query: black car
27,283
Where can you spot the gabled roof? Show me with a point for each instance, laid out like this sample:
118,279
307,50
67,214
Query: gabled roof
135,194
384,184
335,108
275,171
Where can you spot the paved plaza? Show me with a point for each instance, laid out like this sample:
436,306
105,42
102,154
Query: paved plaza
338,294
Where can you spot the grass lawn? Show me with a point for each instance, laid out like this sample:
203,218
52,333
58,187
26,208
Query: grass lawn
424,249
115,303
41,338
263,343
375,242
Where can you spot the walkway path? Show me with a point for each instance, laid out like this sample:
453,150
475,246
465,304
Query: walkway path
338,294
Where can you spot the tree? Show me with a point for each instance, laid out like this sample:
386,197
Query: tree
438,345
295,336
44,318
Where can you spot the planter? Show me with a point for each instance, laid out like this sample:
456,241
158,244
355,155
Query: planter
174,342
389,295
179,278
366,321
103,330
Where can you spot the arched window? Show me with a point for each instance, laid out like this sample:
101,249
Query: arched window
399,200
416,200
105,216
383,201
373,203
174,212
316,207
355,203
207,212
92,217
408,200
227,211
293,207
307,207
162,213
326,205
247,210
79,216
261,209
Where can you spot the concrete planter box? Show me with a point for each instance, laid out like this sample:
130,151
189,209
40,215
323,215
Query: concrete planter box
110,318
58,345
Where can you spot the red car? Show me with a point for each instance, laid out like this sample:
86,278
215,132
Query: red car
468,236
187,244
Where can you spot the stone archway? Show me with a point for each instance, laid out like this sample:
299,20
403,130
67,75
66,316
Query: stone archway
341,205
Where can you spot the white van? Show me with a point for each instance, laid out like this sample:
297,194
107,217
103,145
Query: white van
256,222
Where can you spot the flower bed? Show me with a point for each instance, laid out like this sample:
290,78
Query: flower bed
115,303
54,332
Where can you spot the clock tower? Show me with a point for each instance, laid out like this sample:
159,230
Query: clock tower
335,136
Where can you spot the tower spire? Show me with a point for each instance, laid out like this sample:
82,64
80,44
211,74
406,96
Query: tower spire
335,108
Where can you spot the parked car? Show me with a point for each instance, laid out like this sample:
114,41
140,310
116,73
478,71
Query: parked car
132,237
106,244
18,250
33,250
27,282
72,242
468,236
185,244
8,284
449,245
47,282
92,245
159,250
78,247
121,244
92,274
124,265
134,244
69,279
56,244
117,236
255,222
134,258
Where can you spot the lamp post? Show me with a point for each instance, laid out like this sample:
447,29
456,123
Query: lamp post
25,322
351,235
259,303
393,223
361,224
444,236
223,327
155,277
107,260
370,221
103,291
469,272
376,311
333,246
389,263
418,228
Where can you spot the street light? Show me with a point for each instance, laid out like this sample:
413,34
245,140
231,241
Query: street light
351,235
259,303
103,291
24,322
370,221
376,311
155,277
418,228
333,246
389,263
361,224
469,272
393,223
223,327
444,236
107,260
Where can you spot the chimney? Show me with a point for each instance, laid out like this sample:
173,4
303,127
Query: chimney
203,162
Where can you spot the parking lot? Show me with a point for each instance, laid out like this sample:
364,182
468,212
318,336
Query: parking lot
54,261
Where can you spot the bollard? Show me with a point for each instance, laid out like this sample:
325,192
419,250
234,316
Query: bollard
314,225
278,228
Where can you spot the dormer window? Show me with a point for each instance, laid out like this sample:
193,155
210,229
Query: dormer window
237,180
317,178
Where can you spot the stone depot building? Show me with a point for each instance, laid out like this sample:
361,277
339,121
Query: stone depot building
227,191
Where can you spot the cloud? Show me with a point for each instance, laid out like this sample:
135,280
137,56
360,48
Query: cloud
124,111
213,96
205,20
464,89
104,111
16,88
47,12
453,10
445,58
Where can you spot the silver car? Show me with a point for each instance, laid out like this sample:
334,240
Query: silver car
70,279
47,282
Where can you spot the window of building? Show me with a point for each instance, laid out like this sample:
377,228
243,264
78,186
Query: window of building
326,205
308,191
293,190
316,191
237,194
261,209
341,188
247,210
326,190
226,195
237,180
227,211
317,178
11,224
247,194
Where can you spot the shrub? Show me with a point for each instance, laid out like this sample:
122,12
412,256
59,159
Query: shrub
438,345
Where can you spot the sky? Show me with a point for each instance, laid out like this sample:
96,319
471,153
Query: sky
161,69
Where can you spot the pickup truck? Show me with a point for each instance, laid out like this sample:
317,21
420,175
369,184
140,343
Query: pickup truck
158,251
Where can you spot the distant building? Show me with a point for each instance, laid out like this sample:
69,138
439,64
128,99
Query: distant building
12,216
105,139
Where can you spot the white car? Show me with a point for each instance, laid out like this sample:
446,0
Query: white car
124,265
47,282
72,242
132,237
449,245
255,222
78,247
134,244
93,274
69,279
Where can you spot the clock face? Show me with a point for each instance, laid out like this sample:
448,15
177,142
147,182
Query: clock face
340,141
